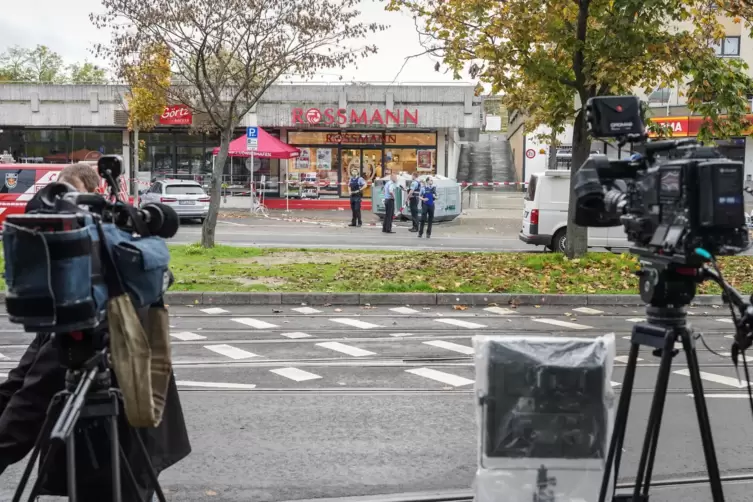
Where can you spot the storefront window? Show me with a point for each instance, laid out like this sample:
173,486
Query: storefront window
415,138
409,160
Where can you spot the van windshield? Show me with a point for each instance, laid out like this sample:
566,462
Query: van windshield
531,192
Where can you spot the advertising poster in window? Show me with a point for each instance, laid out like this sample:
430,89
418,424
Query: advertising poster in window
303,162
424,161
324,159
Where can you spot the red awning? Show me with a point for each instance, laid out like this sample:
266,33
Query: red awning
269,148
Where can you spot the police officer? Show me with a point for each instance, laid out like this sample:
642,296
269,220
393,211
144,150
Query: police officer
356,186
413,193
390,187
428,196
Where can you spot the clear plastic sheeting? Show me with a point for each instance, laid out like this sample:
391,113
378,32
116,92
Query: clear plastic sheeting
545,412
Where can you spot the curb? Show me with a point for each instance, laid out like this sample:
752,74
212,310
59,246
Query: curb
187,297
191,298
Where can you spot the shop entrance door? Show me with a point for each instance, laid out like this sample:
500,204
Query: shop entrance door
368,161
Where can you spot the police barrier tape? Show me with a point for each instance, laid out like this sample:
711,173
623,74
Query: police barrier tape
327,183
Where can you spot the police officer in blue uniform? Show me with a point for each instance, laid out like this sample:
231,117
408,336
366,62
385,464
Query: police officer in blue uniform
356,186
389,204
413,194
428,196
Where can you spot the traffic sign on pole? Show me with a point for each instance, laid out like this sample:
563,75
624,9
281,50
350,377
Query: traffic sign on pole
252,138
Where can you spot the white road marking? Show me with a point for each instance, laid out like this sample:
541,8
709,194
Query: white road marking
624,359
187,335
401,334
215,310
404,310
720,379
635,319
499,310
723,396
254,323
215,385
462,324
727,320
563,324
296,334
306,310
230,351
295,374
456,347
615,384
3,375
440,376
587,310
346,349
355,323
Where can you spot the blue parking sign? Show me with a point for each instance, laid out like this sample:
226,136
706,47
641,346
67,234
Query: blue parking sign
252,138
252,132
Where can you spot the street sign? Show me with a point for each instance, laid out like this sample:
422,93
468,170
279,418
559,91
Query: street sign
530,153
252,138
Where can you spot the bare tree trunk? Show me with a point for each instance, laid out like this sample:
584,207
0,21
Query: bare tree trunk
210,224
552,150
577,236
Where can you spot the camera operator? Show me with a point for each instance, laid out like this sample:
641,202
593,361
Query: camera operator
29,388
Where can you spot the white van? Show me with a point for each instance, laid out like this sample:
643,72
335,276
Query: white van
545,215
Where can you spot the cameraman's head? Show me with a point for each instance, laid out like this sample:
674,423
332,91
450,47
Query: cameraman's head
83,177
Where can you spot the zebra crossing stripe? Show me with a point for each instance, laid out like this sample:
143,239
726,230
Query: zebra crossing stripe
295,374
215,310
254,323
564,324
355,323
441,376
462,324
296,334
346,349
624,359
720,379
306,310
727,320
185,336
499,310
404,310
215,385
455,347
230,351
588,310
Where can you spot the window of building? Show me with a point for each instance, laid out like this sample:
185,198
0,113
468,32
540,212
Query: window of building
660,96
727,47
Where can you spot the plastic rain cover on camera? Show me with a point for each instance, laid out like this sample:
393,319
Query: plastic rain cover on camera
545,411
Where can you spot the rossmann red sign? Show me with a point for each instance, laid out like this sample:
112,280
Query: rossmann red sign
341,116
176,115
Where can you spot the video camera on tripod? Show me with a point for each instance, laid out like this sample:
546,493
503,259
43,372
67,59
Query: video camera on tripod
80,267
679,210
54,256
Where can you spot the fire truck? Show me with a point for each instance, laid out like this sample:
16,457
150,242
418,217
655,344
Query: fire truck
19,183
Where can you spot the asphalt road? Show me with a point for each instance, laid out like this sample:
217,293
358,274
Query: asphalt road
289,403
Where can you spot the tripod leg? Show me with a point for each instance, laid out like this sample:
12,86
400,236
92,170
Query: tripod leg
41,439
620,423
654,419
149,467
129,473
70,461
115,459
704,425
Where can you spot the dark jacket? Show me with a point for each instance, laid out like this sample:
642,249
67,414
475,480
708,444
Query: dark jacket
24,398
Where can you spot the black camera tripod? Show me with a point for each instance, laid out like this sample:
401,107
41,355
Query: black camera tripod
89,394
668,288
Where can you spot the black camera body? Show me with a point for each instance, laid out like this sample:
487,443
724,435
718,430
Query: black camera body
690,198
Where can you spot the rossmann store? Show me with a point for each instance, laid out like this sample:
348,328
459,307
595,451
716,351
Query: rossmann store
377,129
740,148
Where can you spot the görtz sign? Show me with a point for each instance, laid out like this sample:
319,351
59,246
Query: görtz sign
341,116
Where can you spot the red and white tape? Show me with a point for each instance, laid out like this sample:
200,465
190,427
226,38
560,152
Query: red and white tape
327,183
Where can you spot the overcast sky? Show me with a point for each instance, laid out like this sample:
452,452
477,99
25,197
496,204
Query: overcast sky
64,26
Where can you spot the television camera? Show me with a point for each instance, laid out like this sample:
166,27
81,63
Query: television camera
681,204
85,268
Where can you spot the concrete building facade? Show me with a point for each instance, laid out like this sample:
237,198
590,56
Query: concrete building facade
379,129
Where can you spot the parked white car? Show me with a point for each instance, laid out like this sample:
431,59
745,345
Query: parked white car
186,197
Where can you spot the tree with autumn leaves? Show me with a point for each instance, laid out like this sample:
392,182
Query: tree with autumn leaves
225,54
548,57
